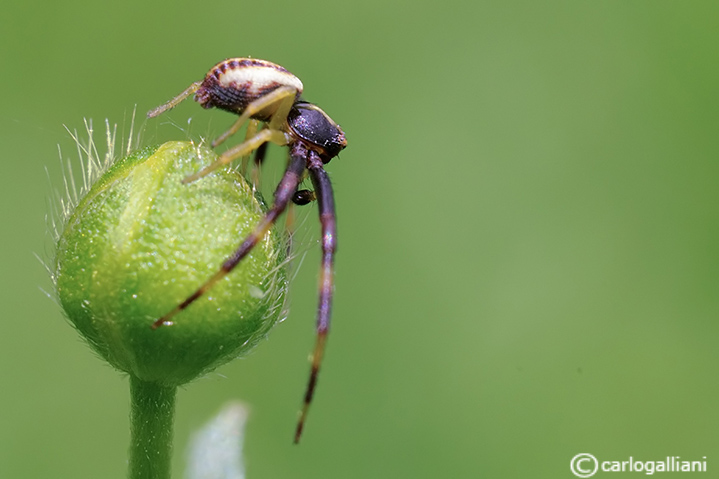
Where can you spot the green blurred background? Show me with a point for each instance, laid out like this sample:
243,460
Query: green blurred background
528,228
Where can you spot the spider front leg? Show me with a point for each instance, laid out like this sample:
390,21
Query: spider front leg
328,220
283,195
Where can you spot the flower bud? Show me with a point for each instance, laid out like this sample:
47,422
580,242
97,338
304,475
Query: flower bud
140,242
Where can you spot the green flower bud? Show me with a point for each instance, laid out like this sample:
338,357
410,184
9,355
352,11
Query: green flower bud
139,242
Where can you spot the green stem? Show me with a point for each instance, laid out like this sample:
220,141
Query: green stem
151,416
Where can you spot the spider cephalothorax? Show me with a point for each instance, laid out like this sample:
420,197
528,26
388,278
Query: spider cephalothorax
263,92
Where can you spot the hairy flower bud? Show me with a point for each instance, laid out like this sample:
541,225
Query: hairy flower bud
139,242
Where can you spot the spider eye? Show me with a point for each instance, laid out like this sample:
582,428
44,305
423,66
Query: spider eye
313,125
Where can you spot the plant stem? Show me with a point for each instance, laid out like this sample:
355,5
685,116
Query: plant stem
151,417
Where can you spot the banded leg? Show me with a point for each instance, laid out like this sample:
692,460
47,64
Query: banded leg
242,149
283,196
325,200
175,101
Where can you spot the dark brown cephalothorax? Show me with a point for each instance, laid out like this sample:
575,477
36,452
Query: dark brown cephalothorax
258,92
313,126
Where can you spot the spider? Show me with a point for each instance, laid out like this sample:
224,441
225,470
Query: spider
261,92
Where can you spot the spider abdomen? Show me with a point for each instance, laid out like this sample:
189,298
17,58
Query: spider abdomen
233,84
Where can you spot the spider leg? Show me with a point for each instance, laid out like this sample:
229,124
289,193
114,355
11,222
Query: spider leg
281,99
283,196
260,153
175,101
328,220
252,128
245,148
231,131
